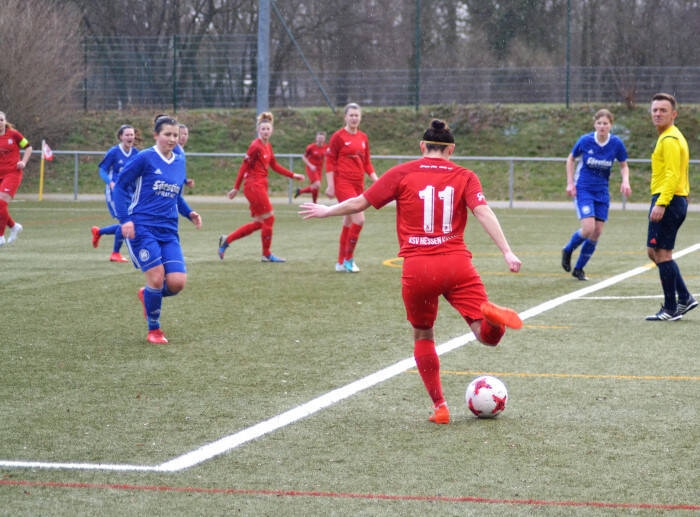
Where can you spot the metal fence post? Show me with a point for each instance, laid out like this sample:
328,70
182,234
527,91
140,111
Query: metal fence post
511,182
75,177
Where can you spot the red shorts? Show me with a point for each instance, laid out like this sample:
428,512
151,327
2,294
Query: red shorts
347,189
425,278
313,175
259,200
10,182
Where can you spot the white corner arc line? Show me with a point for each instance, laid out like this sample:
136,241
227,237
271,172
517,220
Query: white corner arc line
227,443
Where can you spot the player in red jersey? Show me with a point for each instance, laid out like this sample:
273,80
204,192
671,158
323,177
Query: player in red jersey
347,162
314,157
433,196
258,159
11,170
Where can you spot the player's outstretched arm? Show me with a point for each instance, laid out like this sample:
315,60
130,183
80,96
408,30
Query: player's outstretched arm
347,207
489,221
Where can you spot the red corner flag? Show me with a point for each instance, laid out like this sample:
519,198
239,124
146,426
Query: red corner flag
46,151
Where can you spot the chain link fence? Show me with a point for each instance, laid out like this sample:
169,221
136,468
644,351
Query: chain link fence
220,72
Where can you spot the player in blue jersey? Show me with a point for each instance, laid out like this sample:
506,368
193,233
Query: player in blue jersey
590,187
147,198
110,166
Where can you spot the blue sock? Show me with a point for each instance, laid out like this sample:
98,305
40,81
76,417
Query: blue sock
110,230
667,273
586,253
153,300
575,241
118,240
681,288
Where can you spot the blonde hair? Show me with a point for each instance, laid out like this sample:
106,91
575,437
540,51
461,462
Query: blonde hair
264,117
604,113
352,106
7,122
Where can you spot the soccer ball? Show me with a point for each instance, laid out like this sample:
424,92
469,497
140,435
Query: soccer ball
486,396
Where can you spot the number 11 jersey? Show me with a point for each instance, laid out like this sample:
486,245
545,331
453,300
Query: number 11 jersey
433,196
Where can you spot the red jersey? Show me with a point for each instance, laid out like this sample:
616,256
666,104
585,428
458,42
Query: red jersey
258,159
432,197
315,154
10,144
348,155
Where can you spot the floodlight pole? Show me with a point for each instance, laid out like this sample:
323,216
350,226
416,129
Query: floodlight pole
263,76
568,51
417,56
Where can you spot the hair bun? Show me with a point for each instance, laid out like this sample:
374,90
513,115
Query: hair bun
265,117
438,125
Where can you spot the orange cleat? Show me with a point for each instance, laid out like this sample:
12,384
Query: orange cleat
141,291
501,315
117,257
95,236
156,337
441,414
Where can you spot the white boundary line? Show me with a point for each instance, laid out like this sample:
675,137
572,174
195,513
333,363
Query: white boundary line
227,443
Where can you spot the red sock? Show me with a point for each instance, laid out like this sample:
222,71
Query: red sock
353,236
428,364
343,243
314,194
10,221
489,333
243,231
4,216
266,235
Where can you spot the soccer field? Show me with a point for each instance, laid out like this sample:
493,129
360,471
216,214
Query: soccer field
289,389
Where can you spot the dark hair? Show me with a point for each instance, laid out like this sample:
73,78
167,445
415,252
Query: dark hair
438,135
665,97
163,120
121,129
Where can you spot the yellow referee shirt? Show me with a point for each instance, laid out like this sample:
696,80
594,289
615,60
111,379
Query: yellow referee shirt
669,166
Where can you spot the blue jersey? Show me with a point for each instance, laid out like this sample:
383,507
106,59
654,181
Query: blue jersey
110,167
114,161
149,190
596,161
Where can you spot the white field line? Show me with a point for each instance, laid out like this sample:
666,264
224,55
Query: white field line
227,443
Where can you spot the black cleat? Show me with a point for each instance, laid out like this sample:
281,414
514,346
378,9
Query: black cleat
566,260
688,306
664,315
579,274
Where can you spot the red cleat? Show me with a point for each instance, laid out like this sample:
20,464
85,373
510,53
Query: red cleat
117,257
441,414
141,291
156,337
501,315
95,236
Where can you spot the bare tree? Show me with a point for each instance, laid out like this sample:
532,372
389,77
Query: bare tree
40,66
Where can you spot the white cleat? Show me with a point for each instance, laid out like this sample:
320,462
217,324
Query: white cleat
14,232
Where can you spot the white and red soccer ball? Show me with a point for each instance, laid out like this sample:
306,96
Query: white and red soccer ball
486,396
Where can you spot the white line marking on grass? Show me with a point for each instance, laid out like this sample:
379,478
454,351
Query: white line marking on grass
227,443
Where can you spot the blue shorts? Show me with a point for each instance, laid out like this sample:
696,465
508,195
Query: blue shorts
592,203
110,203
662,235
152,247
